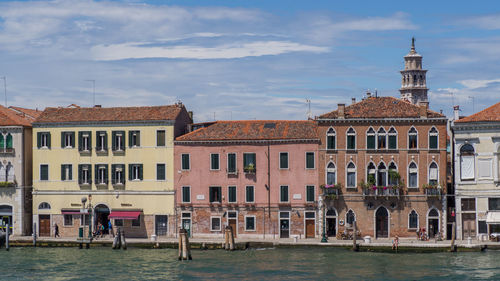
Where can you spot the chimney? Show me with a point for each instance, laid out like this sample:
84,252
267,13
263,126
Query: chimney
341,110
424,106
456,113
353,100
190,113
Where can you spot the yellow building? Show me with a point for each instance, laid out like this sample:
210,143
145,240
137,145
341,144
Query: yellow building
95,165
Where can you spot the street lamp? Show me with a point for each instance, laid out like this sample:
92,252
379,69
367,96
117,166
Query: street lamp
88,210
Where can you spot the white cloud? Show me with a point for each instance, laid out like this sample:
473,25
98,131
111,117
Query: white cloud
474,84
490,22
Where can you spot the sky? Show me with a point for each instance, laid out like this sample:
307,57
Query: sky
238,60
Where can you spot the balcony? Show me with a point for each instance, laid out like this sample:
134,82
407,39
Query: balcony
7,151
433,193
331,193
7,184
379,192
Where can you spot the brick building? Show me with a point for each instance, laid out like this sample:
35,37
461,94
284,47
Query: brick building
383,161
260,177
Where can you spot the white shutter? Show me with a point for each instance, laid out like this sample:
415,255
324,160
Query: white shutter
467,167
484,168
433,174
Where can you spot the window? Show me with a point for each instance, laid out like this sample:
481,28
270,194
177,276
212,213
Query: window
493,204
118,174
433,174
66,172
84,174
101,174
215,194
68,220
350,217
160,138
44,172
393,139
433,138
284,193
118,141
250,223
134,138
84,141
231,194
9,141
231,163
310,196
370,174
331,174
68,139
135,172
249,162
468,204
381,139
330,139
102,141
119,222
370,139
393,174
467,165
413,220
412,175
160,172
43,139
482,227
351,139
214,161
136,222
381,175
185,162
412,138
44,206
283,160
215,224
351,175
310,160
249,196
186,194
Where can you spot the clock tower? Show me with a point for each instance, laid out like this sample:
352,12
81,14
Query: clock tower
413,81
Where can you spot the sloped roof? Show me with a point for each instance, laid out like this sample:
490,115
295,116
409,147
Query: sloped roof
10,117
97,114
34,113
490,114
254,130
381,107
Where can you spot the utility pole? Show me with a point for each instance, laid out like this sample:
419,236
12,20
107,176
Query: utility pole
5,88
93,90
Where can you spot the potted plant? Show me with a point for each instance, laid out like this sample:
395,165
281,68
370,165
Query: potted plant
250,168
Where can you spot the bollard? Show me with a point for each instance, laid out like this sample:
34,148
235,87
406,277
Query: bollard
117,241
231,238
354,238
34,235
226,237
124,243
180,244
184,248
7,234
453,234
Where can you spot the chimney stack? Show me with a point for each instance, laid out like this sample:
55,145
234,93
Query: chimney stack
424,106
341,110
353,100
456,114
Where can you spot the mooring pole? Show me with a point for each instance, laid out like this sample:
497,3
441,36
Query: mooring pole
231,238
34,234
453,234
124,243
226,237
7,237
354,237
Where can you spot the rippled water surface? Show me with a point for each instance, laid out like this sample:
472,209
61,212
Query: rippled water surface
270,264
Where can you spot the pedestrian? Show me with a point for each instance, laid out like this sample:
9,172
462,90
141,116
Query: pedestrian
56,232
110,229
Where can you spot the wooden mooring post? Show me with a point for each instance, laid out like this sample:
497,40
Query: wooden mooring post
184,248
453,247
355,246
229,239
124,242
117,241
34,235
7,237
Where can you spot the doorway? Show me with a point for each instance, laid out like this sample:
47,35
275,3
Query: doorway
186,223
310,218
331,223
44,222
161,225
469,226
284,224
232,221
6,218
382,223
101,218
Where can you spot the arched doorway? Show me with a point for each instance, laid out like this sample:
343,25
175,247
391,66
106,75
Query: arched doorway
5,217
433,222
331,223
101,212
381,223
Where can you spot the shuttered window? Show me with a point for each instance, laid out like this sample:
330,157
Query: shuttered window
310,193
284,193
185,162
85,141
370,139
102,141
231,162
231,194
44,172
66,172
186,194
43,139
330,139
249,196
134,138
118,141
214,161
310,160
433,138
160,172
160,138
135,172
118,174
84,174
283,160
351,139
215,194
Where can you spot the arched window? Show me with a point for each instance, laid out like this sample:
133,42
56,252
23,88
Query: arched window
467,165
331,174
44,206
331,213
381,139
433,213
433,138
9,140
412,175
393,174
351,175
393,139
412,138
330,139
10,173
3,173
350,217
351,139
370,139
413,220
433,173
381,175
370,176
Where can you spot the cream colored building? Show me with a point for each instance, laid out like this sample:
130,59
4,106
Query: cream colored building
119,159
476,155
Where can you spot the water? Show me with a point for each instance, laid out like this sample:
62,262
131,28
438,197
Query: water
270,264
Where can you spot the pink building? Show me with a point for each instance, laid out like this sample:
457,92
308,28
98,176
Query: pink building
260,177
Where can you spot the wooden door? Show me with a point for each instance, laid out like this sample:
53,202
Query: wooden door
382,223
284,228
469,225
232,224
310,229
44,225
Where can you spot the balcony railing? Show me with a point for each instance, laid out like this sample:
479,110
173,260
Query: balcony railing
381,192
8,150
331,193
433,192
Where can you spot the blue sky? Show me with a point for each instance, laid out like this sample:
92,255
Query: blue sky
245,59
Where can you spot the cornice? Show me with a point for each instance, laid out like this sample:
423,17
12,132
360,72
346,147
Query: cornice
105,123
278,141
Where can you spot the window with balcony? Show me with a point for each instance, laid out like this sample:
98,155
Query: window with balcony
381,175
433,174
331,174
330,139
250,162
393,174
370,174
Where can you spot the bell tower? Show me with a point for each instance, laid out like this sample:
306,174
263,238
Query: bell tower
413,81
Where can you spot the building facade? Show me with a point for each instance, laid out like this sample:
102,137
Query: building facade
92,165
476,158
382,163
15,169
260,177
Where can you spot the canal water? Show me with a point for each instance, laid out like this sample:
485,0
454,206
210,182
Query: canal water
264,264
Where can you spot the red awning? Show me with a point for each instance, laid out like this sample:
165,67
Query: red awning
71,212
124,215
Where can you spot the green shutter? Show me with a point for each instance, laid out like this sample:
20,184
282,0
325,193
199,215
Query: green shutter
90,141
80,178
105,145
140,172
38,139
113,173
96,173
90,173
160,171
130,171
370,142
106,176
48,139
70,172
130,138
62,139
392,142
138,138
73,139
432,142
113,141
331,142
80,139
44,172
351,142
63,174
9,141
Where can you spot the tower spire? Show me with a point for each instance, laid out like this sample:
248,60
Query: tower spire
413,43
413,82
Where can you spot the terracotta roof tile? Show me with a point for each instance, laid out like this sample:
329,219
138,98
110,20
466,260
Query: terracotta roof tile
254,130
96,114
34,113
381,107
10,117
490,114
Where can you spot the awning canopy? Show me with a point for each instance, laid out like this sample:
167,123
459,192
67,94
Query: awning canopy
493,218
124,215
70,212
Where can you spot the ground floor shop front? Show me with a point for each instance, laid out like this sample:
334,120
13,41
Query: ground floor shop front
478,216
14,214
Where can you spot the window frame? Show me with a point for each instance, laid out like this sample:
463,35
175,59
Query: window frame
211,223
254,222
409,134
211,162
347,175
409,220
188,161
40,171
287,161
313,193
164,138
354,216
183,188
331,134
351,134
164,171
433,134
314,160
69,168
235,194
246,193
64,220
287,194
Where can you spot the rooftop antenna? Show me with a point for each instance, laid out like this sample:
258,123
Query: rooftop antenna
309,114
5,88
473,105
93,89
376,93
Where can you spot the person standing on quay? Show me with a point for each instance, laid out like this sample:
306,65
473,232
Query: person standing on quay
110,229
56,231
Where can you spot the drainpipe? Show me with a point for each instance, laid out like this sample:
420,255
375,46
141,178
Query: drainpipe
269,182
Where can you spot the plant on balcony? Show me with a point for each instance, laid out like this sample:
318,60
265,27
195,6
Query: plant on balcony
250,168
429,186
332,196
7,184
333,186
